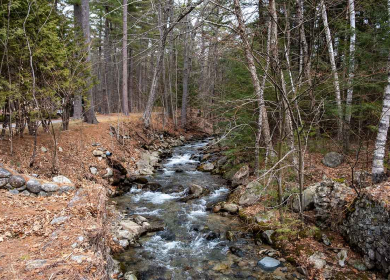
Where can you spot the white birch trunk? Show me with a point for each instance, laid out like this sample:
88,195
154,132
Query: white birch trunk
125,102
378,170
334,70
351,73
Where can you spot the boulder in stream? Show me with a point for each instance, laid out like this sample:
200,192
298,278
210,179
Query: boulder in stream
269,264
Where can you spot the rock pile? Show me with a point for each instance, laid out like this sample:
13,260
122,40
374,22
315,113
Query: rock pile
16,184
367,227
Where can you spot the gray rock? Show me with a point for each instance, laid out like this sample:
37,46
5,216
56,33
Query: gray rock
3,182
251,194
317,260
25,193
59,220
207,167
301,270
267,236
265,217
182,138
231,208
308,199
60,149
129,276
333,159
17,181
4,173
109,173
64,189
240,176
269,264
325,239
124,243
93,170
61,180
43,193
97,153
14,191
359,266
342,256
43,149
34,186
49,187
139,220
78,258
35,264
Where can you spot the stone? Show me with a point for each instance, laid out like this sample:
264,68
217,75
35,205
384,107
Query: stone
301,270
78,258
33,264
132,227
230,235
269,264
307,197
42,193
359,266
325,239
34,186
167,235
3,182
14,191
317,260
206,167
109,173
231,208
25,193
61,180
125,234
17,181
182,138
240,176
4,173
43,149
264,217
342,256
139,220
251,194
60,149
140,180
124,243
267,236
59,220
93,170
50,187
153,186
220,267
236,251
97,153
129,276
64,189
333,159
217,208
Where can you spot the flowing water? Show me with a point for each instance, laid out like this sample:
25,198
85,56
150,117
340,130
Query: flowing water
193,244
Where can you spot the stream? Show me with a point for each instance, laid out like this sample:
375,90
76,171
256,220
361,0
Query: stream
194,243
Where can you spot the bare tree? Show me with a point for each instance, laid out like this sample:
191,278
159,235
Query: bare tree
125,102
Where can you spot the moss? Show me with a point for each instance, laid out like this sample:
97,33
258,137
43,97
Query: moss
339,180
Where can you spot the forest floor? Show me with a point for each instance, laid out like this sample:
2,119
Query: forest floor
63,236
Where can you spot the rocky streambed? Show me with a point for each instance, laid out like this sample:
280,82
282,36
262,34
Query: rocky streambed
179,238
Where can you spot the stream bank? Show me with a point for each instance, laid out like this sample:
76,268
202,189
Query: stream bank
193,242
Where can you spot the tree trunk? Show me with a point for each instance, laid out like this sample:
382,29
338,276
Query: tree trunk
130,82
262,117
351,75
77,103
334,71
186,73
378,170
125,101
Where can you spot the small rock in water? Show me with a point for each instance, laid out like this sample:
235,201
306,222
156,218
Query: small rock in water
269,264
140,219
220,267
236,251
211,235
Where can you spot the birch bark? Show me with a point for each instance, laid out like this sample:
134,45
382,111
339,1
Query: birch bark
125,97
334,71
378,170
